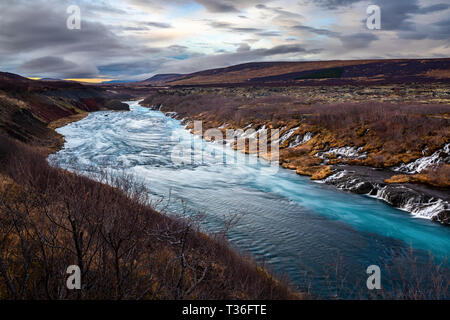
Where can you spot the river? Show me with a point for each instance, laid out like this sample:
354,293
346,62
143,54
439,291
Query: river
321,237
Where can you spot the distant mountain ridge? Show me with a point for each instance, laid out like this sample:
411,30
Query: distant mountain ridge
118,81
162,78
355,71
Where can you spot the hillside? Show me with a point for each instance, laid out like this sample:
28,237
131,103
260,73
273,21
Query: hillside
28,107
316,72
161,79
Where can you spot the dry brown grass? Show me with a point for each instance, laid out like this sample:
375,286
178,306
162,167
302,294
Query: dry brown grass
250,71
66,120
438,176
51,219
390,133
438,74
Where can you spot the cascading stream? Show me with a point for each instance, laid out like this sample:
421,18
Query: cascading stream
296,226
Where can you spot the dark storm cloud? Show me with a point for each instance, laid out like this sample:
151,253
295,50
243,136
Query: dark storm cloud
240,56
229,27
38,34
436,31
396,14
103,8
224,6
322,32
58,67
245,30
270,34
48,63
413,5
116,39
434,8
331,4
284,49
349,41
151,60
34,27
219,25
443,24
133,67
358,40
280,12
441,30
232,28
243,47
147,26
161,25
216,6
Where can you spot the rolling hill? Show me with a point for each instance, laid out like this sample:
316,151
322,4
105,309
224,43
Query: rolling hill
324,72
28,107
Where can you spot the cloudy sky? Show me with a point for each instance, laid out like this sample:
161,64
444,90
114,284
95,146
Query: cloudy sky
135,39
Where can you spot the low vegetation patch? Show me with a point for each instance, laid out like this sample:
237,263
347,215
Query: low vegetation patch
51,219
323,74
389,125
438,176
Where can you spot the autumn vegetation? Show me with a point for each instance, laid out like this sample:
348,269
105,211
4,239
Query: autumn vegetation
128,246
391,124
437,176
51,219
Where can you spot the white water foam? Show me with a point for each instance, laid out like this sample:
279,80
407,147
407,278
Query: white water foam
426,162
344,152
299,140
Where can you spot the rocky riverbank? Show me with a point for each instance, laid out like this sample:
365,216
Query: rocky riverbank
421,201
318,154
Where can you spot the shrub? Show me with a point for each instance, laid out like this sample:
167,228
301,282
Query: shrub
51,219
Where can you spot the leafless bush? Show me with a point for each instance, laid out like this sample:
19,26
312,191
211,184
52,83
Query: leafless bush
392,128
437,175
51,219
405,277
